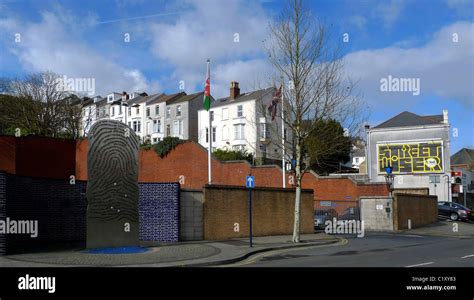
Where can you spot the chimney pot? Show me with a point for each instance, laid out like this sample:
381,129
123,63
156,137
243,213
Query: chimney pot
445,116
234,90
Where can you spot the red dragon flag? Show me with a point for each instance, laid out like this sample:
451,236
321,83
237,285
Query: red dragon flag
207,90
272,108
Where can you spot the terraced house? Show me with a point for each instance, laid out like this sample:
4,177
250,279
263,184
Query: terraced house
151,117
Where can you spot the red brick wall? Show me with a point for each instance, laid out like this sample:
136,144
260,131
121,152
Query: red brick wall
56,158
37,156
190,160
8,154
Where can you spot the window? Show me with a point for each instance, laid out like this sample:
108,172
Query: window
178,110
156,126
239,132
176,128
147,111
225,113
225,133
238,148
357,160
112,111
168,112
212,116
138,110
155,140
207,135
120,109
214,130
110,98
168,130
264,131
135,128
129,111
240,111
157,110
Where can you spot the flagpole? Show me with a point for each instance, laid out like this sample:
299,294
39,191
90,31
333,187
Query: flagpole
209,132
283,138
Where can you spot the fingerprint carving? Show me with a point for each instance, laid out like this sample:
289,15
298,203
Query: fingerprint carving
112,187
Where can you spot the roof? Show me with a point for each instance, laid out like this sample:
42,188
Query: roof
162,98
407,118
101,102
136,100
464,156
358,152
242,97
184,98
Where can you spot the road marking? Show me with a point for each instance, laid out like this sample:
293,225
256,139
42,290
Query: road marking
411,235
256,257
471,255
423,264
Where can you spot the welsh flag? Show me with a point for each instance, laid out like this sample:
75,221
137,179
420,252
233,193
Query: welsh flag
207,90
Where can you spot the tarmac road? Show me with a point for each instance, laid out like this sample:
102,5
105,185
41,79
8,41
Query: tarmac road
376,250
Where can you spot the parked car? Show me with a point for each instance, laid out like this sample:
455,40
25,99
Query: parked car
350,213
322,215
455,211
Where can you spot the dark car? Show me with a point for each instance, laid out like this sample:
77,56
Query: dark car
322,215
351,213
454,211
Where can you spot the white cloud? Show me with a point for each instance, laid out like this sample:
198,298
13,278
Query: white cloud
389,11
49,46
443,66
462,7
229,33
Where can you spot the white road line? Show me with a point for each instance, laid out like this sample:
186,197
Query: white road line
471,255
423,264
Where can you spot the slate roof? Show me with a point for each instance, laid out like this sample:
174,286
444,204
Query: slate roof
242,97
464,156
184,98
163,98
407,118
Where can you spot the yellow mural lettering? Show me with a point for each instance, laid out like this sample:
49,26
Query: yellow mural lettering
423,157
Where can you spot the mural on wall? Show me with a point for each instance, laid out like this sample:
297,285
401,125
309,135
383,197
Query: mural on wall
112,188
411,157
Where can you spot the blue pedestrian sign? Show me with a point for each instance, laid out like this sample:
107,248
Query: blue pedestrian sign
250,182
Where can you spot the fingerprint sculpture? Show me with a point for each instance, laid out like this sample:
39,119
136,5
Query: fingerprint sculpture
112,187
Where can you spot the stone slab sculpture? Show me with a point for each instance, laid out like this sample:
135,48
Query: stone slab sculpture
112,187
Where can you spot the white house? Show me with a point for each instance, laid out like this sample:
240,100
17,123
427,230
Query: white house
242,122
417,149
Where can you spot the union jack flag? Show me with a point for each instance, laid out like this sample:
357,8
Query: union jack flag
272,108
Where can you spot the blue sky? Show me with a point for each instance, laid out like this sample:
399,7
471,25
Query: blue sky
170,41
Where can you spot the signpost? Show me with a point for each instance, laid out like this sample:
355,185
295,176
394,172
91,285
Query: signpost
250,184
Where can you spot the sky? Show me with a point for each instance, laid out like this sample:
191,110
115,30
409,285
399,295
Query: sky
162,46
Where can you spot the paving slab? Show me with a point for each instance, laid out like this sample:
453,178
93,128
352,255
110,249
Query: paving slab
198,253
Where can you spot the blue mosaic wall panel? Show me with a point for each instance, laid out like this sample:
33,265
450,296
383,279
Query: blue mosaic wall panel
159,212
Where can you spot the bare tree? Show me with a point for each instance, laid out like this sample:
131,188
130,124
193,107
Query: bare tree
316,88
44,108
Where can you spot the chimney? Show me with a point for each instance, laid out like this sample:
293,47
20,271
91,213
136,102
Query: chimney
124,96
445,116
234,90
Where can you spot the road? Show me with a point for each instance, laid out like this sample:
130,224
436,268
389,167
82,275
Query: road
376,250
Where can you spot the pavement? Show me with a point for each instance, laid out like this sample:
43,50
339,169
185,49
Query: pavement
403,248
446,227
183,254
